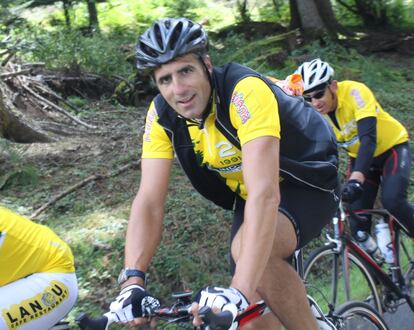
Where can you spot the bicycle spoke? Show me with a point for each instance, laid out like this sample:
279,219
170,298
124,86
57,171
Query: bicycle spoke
331,281
405,253
357,315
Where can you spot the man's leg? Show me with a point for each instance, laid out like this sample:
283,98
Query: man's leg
395,182
281,287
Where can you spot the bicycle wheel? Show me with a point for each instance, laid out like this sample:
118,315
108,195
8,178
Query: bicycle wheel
356,315
405,255
331,281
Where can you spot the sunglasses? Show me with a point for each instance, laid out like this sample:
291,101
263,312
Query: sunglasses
316,96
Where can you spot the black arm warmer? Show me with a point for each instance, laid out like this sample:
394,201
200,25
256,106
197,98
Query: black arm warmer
367,134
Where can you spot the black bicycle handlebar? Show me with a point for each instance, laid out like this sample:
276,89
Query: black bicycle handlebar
86,323
215,321
355,215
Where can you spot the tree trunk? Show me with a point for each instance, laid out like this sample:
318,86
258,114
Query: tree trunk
66,6
93,16
311,23
315,18
327,14
243,11
30,111
294,16
13,126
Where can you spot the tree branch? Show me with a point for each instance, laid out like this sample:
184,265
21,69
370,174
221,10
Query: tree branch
59,109
82,183
350,8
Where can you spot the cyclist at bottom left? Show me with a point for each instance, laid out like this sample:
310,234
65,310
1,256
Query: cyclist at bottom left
38,285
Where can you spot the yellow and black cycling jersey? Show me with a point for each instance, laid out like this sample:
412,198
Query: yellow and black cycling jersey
246,105
27,248
252,114
355,102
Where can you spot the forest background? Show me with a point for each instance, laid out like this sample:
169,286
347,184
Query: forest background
72,110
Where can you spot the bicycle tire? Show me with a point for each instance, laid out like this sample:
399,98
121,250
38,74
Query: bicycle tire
405,255
357,315
325,280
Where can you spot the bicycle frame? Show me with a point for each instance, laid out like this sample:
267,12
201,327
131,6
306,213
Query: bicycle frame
344,242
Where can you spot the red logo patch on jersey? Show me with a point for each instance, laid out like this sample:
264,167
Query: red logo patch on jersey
241,108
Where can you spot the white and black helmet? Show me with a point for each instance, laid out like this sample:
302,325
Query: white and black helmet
315,73
167,39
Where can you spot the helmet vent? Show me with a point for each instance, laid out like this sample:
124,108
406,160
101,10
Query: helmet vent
195,35
158,37
176,35
148,50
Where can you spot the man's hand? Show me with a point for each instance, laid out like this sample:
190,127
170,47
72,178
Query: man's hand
353,190
133,302
219,299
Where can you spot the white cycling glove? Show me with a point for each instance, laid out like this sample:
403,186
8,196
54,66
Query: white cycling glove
223,299
132,302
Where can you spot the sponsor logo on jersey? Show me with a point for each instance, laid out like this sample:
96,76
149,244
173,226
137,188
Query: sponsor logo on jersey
2,238
347,144
241,108
349,127
148,124
358,98
227,169
35,307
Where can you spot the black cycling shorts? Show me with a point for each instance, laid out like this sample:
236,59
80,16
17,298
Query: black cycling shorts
308,209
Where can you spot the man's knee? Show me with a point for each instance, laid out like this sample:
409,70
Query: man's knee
264,322
402,210
286,241
392,202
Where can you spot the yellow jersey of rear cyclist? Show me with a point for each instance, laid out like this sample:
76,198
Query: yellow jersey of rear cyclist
376,142
38,285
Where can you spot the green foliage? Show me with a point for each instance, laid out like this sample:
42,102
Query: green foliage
223,51
183,8
236,48
381,14
274,11
77,101
243,10
105,53
100,54
14,172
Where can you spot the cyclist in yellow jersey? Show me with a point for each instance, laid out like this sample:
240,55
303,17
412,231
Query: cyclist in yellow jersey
38,285
247,146
376,142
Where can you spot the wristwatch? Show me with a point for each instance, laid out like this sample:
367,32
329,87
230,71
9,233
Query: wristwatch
126,273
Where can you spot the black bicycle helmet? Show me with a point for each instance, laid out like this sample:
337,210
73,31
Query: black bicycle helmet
167,39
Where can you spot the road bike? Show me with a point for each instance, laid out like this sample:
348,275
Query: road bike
351,315
341,270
